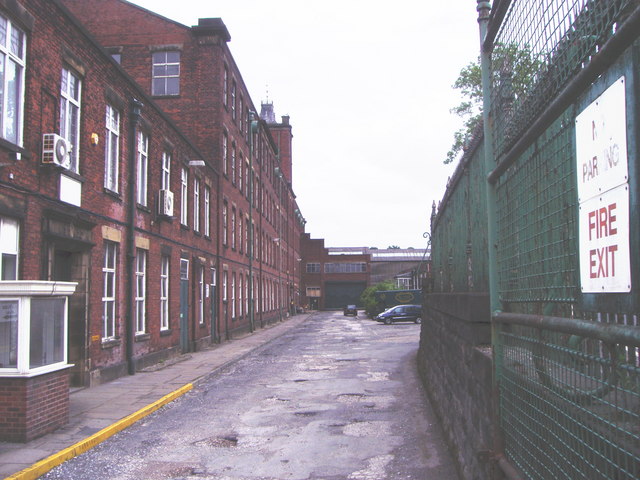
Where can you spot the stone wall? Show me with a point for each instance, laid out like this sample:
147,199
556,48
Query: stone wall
456,366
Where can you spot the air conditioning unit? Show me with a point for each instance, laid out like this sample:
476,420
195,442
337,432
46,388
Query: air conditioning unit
165,203
56,150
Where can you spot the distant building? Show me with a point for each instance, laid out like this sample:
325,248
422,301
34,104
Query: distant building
335,276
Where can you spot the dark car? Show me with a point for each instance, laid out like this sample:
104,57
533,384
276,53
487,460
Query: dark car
401,313
351,310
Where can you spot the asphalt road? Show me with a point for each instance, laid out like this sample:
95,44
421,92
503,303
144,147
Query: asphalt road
335,398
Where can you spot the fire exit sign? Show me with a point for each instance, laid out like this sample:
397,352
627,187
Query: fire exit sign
603,193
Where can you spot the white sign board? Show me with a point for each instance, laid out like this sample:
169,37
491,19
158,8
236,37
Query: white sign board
603,193
601,143
604,242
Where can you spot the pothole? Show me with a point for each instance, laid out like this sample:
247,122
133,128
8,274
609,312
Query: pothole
306,414
351,397
218,442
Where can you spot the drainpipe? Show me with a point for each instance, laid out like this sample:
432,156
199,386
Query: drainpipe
131,240
253,129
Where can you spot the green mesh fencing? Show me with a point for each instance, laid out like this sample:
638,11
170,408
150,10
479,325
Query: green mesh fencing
569,402
458,231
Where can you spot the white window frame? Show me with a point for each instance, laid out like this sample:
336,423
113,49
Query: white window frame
201,295
141,291
207,211
184,192
142,169
166,171
163,71
196,204
13,53
70,112
165,265
109,291
225,280
233,295
112,149
233,229
9,248
240,284
225,223
225,153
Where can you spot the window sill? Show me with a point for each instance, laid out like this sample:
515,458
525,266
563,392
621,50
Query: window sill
144,208
175,95
142,337
165,333
108,343
112,193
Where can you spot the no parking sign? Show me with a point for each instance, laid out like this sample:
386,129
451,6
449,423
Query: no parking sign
603,193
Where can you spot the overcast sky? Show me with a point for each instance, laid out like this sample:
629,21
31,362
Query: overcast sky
367,84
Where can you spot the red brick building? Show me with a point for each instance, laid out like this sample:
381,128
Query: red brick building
191,73
173,210
332,281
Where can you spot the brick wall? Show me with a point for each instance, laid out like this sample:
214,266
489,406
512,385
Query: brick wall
455,364
32,407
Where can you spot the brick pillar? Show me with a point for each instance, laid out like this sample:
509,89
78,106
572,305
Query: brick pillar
33,406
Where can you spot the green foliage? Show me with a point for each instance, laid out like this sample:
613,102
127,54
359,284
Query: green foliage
368,298
513,70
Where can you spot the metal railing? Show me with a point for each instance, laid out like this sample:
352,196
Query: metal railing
569,396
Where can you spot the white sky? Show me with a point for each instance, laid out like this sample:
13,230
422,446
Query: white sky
367,84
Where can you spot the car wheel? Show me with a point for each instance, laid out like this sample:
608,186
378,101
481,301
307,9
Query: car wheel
418,320
387,321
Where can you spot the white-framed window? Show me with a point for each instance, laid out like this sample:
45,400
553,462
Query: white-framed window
12,60
240,175
9,244
240,114
233,228
225,281
165,178
142,168
111,149
201,295
207,211
246,236
233,295
164,292
225,153
225,87
225,223
233,163
196,205
240,304
246,295
240,235
109,277
184,192
70,93
233,99
313,291
166,73
141,291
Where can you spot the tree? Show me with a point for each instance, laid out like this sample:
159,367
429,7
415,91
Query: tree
513,71
368,300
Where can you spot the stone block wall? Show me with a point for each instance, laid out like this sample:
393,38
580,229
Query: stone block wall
456,366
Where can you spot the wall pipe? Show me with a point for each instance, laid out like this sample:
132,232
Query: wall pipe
136,112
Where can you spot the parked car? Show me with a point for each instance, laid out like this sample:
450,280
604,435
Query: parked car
401,313
351,310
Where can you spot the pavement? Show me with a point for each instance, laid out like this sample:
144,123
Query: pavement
99,412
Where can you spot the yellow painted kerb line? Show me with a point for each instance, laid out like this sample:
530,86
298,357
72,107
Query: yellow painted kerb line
43,466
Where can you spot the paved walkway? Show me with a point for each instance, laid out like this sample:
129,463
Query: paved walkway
97,413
